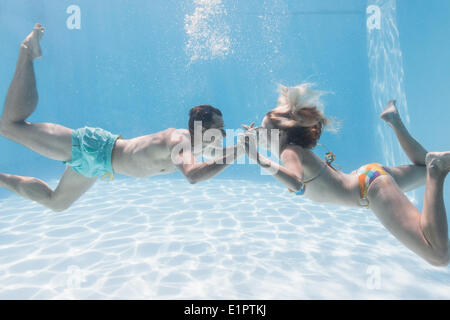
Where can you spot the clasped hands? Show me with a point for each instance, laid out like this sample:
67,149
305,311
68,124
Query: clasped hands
249,140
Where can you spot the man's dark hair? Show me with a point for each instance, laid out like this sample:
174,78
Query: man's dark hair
203,113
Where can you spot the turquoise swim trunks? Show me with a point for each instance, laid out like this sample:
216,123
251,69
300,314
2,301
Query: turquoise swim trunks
91,151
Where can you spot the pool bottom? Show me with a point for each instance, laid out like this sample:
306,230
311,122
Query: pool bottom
220,239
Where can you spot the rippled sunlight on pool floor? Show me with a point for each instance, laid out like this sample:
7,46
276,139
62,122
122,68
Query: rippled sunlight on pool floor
221,239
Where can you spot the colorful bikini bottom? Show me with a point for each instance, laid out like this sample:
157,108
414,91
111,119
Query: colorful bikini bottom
366,175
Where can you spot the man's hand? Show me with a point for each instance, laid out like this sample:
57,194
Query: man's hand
248,127
249,141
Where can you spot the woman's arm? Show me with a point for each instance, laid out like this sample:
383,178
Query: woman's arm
290,175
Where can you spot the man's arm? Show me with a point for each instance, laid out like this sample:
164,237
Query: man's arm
194,171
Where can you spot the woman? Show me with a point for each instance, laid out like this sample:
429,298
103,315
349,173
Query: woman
299,119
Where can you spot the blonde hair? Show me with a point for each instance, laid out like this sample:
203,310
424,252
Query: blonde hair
300,112
295,104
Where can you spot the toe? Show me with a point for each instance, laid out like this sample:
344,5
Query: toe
39,28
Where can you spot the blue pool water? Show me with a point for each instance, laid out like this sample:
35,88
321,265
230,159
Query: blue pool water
137,69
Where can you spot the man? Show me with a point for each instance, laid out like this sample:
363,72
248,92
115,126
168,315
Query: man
90,153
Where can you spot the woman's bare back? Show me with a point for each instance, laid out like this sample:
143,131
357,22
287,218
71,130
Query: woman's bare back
332,185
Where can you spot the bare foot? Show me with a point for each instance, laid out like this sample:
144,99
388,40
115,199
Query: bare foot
438,161
31,42
390,113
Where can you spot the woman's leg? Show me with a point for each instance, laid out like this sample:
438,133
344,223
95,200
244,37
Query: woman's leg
425,234
48,139
413,149
408,177
434,219
71,187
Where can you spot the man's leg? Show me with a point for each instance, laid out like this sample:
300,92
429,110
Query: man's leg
50,140
70,188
